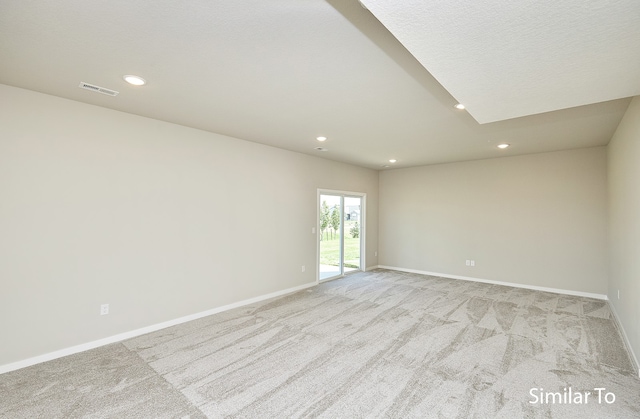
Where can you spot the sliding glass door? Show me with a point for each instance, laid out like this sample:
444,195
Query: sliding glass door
352,232
340,233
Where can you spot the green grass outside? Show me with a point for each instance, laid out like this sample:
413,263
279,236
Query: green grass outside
330,251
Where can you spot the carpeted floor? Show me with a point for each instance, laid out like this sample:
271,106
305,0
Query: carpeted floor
375,344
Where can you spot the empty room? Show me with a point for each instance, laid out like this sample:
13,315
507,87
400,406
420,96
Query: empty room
319,208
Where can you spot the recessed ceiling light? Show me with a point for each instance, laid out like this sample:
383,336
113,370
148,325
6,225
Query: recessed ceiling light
393,161
135,80
459,106
321,149
321,139
503,145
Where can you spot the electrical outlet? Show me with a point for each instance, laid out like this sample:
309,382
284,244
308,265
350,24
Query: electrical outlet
473,263
303,268
104,309
468,262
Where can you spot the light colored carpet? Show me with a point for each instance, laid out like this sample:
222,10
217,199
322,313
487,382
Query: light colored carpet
375,344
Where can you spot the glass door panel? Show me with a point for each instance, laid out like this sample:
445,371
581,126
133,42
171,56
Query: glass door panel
352,233
331,245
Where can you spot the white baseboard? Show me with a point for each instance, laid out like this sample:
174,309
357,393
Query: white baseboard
625,338
508,284
138,332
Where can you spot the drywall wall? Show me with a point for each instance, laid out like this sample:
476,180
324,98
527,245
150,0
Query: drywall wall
624,223
158,220
537,220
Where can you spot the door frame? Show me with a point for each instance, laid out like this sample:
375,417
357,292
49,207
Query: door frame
363,205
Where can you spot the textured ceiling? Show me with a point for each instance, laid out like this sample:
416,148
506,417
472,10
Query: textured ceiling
277,72
505,59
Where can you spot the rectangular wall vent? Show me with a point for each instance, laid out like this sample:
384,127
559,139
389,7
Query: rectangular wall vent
98,89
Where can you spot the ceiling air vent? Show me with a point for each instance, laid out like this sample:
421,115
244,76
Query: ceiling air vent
98,89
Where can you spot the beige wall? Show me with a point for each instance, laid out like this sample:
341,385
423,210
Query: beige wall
162,221
536,219
158,220
624,223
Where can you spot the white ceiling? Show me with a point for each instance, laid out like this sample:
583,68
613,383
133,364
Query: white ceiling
281,72
505,59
